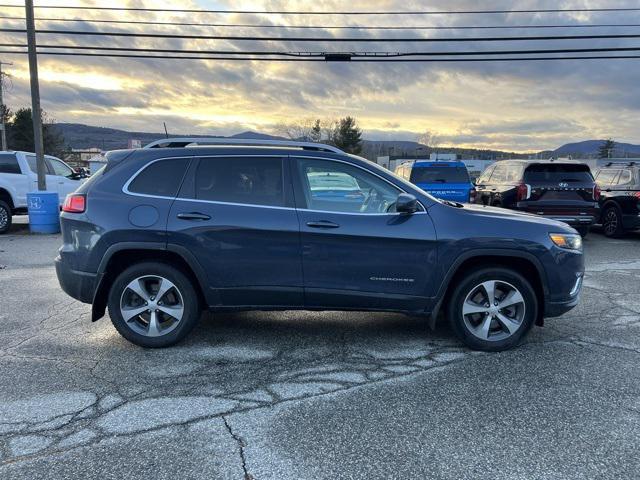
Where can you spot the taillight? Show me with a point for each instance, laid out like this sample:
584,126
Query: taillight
75,203
522,193
472,195
596,193
637,195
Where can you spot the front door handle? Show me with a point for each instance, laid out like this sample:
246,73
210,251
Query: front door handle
193,216
322,224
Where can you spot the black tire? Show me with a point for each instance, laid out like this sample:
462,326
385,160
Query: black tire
494,343
583,231
5,217
186,291
612,222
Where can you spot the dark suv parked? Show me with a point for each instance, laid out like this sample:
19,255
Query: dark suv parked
561,190
620,200
161,233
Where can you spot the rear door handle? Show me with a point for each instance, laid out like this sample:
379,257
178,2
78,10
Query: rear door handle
322,224
193,216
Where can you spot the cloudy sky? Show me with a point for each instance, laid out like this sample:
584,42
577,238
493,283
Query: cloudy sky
519,106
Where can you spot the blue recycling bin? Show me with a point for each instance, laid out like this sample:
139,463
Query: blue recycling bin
44,212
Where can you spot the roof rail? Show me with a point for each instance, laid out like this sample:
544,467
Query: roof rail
180,142
630,164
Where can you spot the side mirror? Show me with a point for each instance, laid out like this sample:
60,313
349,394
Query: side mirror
406,203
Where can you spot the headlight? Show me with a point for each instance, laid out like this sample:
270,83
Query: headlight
568,241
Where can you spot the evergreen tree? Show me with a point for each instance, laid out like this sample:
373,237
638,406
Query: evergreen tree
606,149
20,134
347,136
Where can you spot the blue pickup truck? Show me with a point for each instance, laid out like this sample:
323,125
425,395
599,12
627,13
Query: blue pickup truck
448,180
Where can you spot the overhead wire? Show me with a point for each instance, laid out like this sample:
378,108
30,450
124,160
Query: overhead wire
324,27
324,39
338,12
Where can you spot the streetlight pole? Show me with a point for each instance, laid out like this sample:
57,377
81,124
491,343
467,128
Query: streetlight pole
35,95
3,134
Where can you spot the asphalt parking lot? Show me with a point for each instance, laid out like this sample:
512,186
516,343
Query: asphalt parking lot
316,395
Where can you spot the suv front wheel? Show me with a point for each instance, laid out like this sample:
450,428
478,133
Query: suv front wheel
492,309
153,305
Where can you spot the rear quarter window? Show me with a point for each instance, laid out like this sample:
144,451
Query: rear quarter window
555,173
9,163
161,178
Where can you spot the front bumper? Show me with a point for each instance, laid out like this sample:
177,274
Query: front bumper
557,308
77,284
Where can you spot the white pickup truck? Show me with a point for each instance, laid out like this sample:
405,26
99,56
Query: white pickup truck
18,176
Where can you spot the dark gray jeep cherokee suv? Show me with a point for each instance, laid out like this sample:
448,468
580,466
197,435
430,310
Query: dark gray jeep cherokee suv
163,232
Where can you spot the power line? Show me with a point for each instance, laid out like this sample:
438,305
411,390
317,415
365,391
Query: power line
325,27
325,39
322,54
349,12
316,59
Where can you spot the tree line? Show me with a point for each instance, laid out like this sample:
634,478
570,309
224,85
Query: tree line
19,132
343,133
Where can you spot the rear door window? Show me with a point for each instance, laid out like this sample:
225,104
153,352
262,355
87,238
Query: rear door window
9,163
499,174
161,178
486,175
439,175
244,180
625,177
606,176
556,173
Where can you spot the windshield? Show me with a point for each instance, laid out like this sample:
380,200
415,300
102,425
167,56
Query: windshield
439,175
554,173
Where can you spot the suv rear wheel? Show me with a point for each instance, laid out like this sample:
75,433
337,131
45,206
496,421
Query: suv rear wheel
153,305
5,217
612,222
492,309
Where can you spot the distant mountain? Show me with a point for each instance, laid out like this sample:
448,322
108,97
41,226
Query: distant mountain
85,136
80,136
589,148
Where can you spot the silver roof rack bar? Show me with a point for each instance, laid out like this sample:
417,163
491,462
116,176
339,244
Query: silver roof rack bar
180,142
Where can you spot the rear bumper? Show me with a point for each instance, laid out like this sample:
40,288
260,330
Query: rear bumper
574,216
76,284
631,222
573,220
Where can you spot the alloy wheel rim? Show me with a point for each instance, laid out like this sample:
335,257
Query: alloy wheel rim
152,306
611,222
493,310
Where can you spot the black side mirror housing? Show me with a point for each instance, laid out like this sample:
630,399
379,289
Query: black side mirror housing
406,203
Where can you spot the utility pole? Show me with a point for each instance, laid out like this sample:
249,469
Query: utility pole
35,95
3,133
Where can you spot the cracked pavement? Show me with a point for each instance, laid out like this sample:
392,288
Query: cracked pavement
317,395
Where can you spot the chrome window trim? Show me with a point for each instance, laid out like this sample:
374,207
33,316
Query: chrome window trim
125,188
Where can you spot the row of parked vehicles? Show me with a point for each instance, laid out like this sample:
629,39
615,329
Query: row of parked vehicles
563,190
